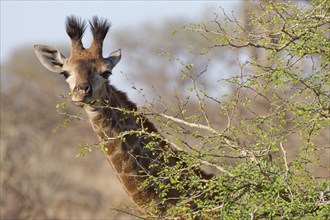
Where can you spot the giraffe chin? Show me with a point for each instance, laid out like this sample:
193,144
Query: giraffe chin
79,103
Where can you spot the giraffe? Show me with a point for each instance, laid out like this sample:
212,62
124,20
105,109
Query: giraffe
127,138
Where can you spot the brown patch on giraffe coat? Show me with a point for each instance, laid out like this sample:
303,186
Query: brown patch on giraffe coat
99,123
122,162
110,147
131,182
117,165
144,196
129,166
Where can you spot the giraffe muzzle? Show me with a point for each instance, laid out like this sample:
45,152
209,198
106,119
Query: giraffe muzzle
82,92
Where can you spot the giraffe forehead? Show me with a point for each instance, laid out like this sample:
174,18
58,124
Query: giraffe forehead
86,57
86,65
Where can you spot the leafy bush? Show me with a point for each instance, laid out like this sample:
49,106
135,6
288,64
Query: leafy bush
276,112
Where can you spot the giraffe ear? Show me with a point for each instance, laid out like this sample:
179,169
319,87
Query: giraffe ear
114,58
50,57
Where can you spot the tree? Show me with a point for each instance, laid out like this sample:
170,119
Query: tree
276,136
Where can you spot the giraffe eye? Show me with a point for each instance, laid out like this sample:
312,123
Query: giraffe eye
106,74
65,74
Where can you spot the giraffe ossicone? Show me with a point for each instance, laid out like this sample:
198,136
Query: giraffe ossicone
125,137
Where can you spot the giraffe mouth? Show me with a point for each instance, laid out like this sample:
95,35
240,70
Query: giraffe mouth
81,102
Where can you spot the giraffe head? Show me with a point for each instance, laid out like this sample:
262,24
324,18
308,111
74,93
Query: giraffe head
86,71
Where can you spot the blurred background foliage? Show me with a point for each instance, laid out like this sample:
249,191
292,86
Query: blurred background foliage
40,174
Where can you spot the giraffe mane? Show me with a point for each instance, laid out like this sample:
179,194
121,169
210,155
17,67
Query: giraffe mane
121,95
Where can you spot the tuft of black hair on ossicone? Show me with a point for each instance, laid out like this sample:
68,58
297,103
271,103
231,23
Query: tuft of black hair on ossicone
75,27
99,28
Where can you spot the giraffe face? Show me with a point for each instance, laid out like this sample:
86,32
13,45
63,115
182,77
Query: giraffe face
85,72
85,79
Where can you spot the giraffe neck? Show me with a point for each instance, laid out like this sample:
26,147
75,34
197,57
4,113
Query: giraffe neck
125,151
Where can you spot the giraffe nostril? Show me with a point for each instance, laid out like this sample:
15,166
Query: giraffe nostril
85,87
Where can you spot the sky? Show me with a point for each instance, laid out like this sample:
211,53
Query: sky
32,22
